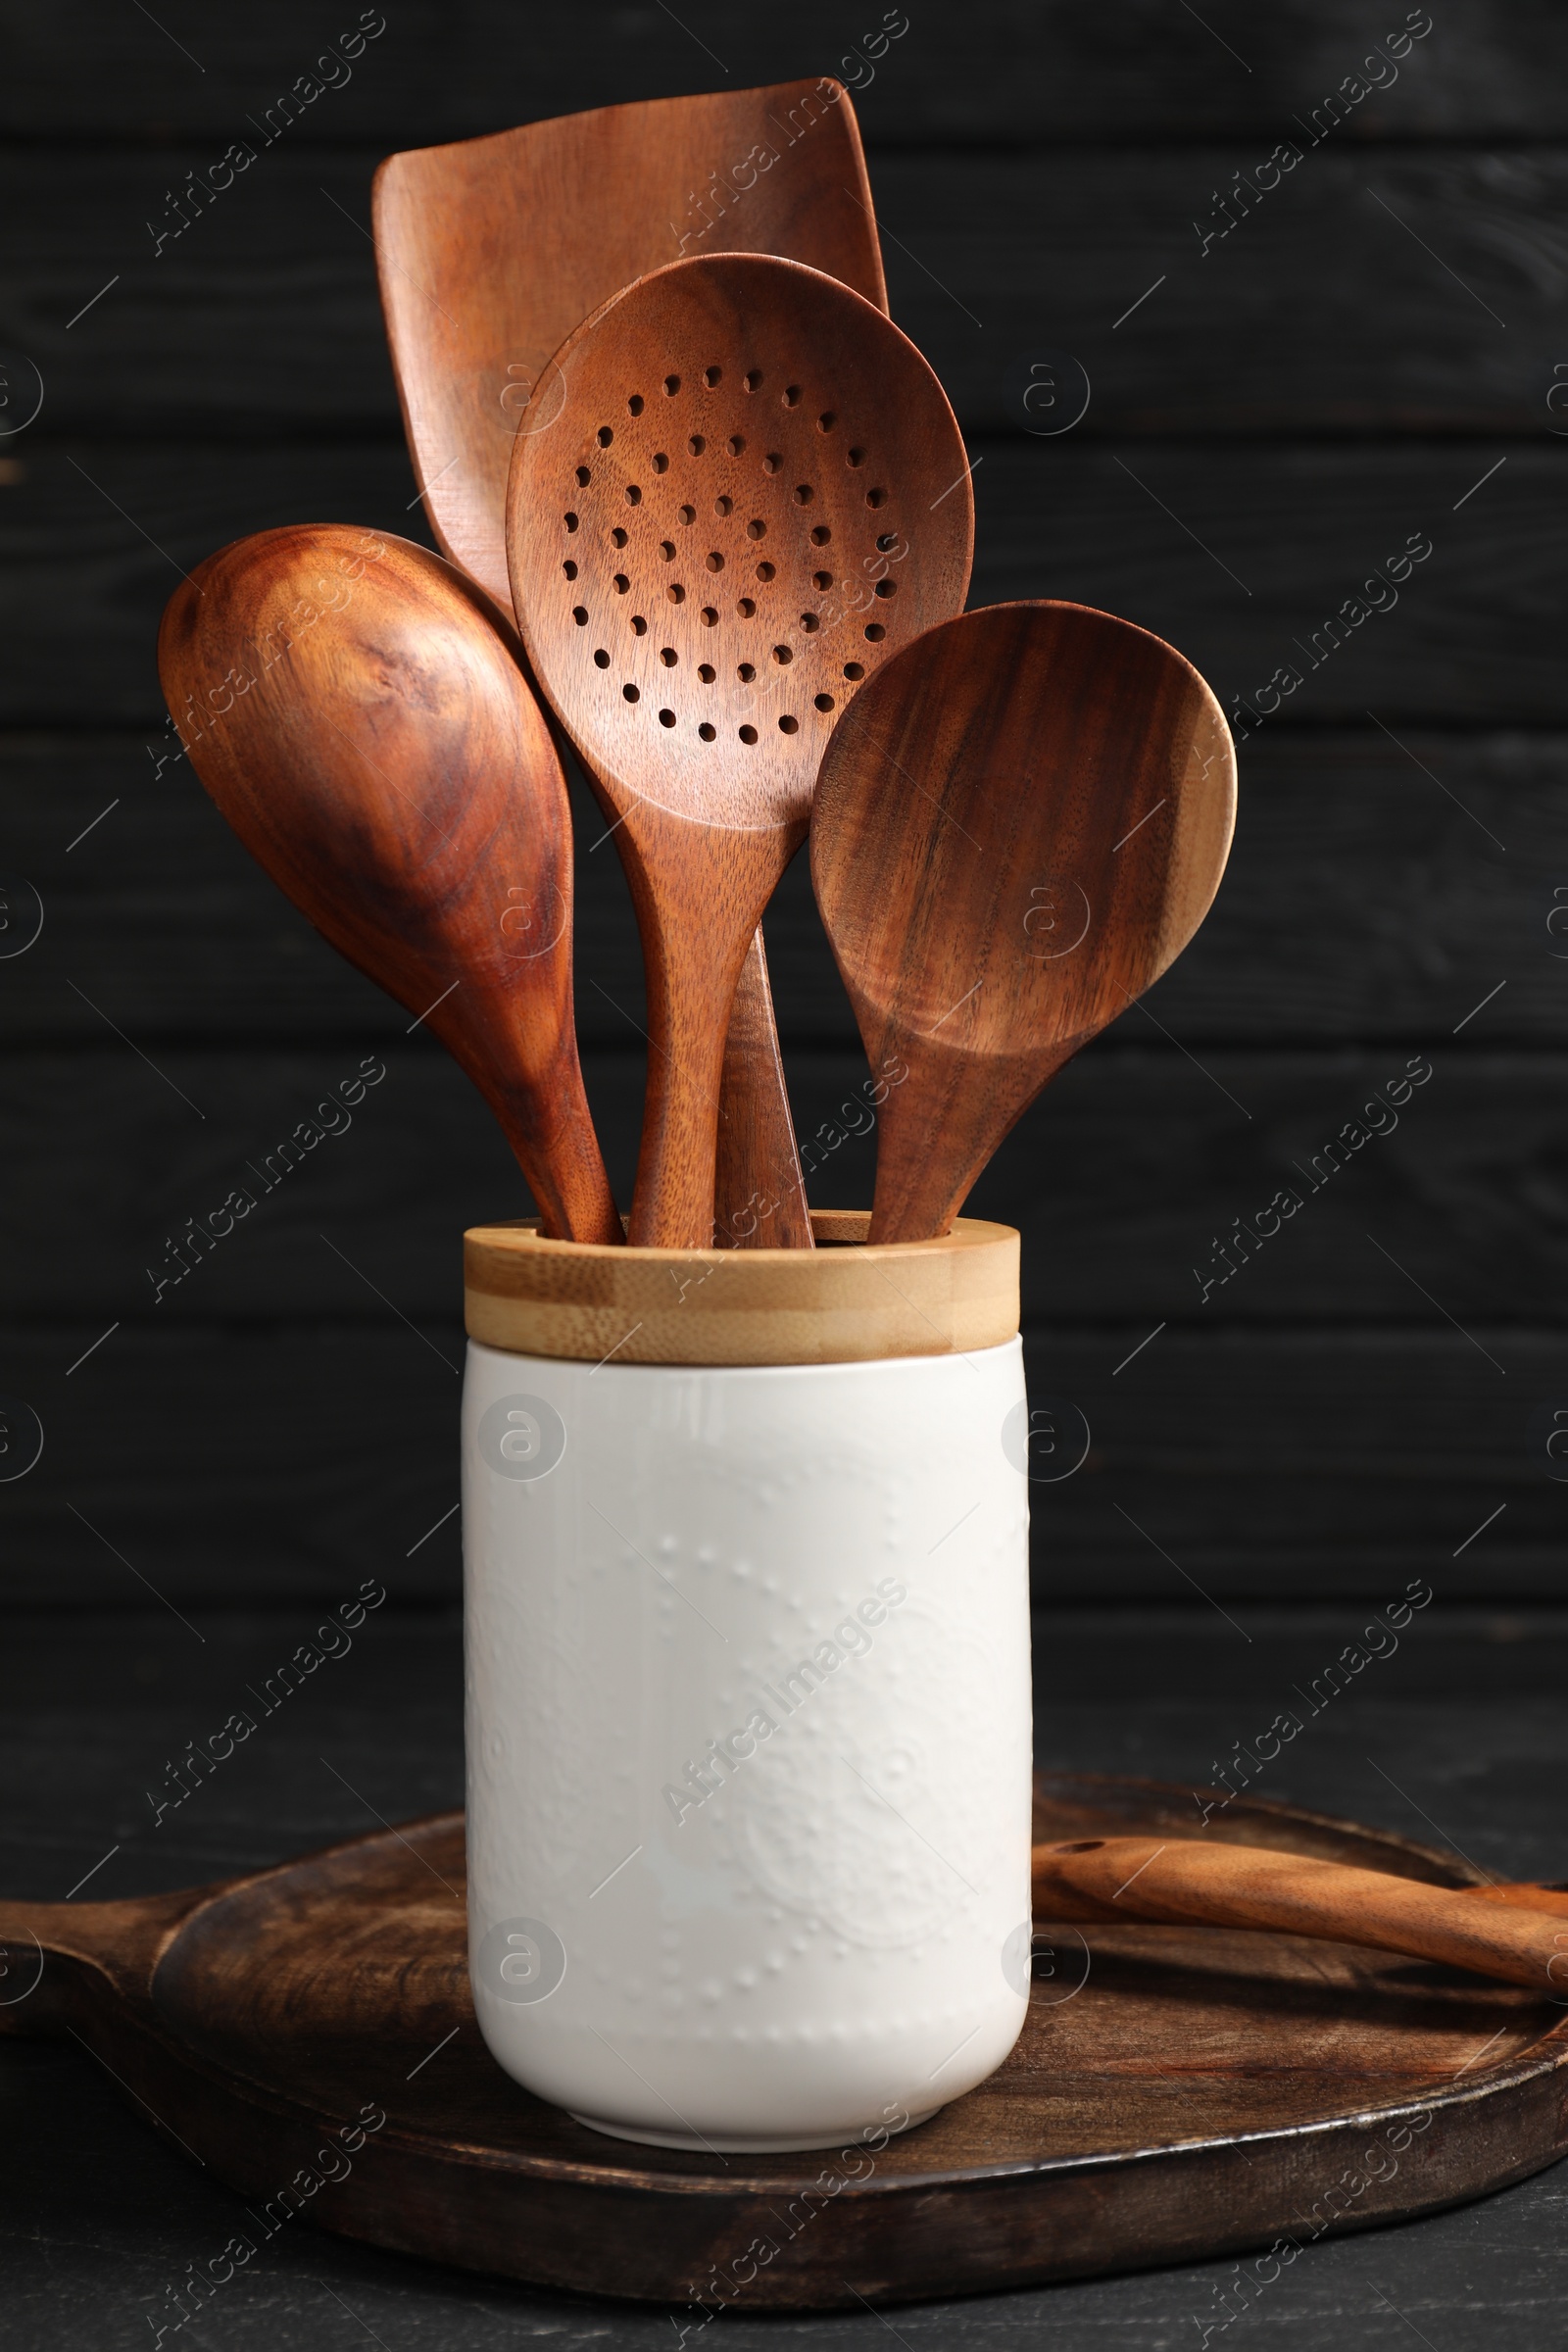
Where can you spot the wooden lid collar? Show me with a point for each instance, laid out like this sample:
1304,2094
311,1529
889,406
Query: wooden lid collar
592,1302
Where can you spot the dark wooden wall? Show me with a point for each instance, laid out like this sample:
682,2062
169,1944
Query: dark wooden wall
1282,413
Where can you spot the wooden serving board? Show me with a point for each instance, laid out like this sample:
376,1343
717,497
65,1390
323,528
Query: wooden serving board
1200,2091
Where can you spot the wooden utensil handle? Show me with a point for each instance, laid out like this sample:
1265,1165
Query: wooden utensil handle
945,1094
560,1158
698,917
672,1198
758,1190
1178,1880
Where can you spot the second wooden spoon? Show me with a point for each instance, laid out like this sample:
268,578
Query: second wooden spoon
1017,827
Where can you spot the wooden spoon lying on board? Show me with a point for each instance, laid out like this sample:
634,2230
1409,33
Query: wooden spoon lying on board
1514,1932
490,251
1017,827
745,489
350,703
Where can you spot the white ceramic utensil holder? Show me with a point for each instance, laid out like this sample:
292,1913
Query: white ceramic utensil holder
745,1544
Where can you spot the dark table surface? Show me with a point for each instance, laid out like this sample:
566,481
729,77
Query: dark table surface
1461,1738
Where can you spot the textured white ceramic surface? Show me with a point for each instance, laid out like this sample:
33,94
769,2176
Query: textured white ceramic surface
748,1738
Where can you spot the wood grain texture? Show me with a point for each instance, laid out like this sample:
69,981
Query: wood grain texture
732,505
766,1305
1018,828
1175,1880
1025,74
492,251
1301,526
254,2018
379,753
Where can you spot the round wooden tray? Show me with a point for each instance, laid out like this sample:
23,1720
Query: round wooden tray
1177,2093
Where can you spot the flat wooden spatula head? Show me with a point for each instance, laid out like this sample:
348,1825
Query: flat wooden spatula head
1017,827
491,250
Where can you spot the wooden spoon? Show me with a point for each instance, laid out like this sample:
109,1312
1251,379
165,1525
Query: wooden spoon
744,489
489,252
1514,1933
351,706
1017,827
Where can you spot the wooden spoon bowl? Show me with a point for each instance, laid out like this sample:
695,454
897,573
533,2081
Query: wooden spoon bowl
352,707
738,492
1017,827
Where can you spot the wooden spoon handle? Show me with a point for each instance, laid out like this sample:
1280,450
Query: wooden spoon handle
944,1094
759,1189
554,1142
1179,1879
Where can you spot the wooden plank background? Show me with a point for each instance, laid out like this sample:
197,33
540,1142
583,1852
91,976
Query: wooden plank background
1370,354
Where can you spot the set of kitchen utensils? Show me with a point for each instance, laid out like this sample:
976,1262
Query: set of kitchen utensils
727,508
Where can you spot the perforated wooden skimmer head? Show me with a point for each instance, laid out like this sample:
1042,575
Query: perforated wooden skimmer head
739,491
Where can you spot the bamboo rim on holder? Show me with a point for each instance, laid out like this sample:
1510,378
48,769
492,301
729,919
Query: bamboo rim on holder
842,1303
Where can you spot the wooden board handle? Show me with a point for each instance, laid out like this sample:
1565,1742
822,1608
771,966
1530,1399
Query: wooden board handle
1179,1879
57,1960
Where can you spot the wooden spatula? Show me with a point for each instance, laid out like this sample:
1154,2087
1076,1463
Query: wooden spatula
349,703
747,490
490,252
1017,827
1513,1935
